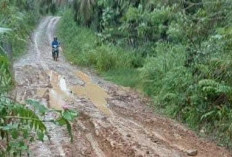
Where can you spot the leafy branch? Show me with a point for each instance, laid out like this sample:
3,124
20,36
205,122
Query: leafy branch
19,123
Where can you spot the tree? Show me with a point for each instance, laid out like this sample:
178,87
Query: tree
84,10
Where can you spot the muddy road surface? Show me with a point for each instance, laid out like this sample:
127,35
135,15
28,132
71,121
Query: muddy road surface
113,121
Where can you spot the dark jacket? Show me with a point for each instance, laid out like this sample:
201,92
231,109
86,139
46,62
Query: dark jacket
55,42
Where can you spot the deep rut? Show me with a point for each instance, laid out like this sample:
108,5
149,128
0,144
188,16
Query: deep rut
113,122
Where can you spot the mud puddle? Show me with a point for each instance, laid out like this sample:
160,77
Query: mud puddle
60,94
132,129
93,92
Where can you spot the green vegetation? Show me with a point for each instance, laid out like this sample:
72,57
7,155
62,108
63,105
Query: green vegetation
87,50
125,77
21,124
176,51
20,19
17,19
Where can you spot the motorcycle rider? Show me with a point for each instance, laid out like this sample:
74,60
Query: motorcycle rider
55,42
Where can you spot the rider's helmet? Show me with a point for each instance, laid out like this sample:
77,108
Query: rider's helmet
55,38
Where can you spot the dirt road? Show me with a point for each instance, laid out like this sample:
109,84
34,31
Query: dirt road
113,122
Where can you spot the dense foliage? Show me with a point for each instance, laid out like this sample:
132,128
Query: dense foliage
181,49
17,19
21,125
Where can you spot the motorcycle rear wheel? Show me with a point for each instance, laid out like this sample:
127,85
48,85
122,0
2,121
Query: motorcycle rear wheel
55,56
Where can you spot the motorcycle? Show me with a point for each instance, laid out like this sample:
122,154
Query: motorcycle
55,51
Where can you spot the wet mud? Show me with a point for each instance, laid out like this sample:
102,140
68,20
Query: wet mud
113,121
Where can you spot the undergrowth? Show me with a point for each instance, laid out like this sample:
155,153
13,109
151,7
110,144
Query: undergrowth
82,47
188,81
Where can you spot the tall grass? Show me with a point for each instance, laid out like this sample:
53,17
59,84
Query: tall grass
82,47
193,88
125,77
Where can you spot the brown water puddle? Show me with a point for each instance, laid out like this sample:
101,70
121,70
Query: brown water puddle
93,92
84,77
59,95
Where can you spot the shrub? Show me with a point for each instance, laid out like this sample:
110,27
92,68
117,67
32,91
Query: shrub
181,51
82,47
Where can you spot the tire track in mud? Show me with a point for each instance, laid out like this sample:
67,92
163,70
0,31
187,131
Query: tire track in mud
113,122
35,64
